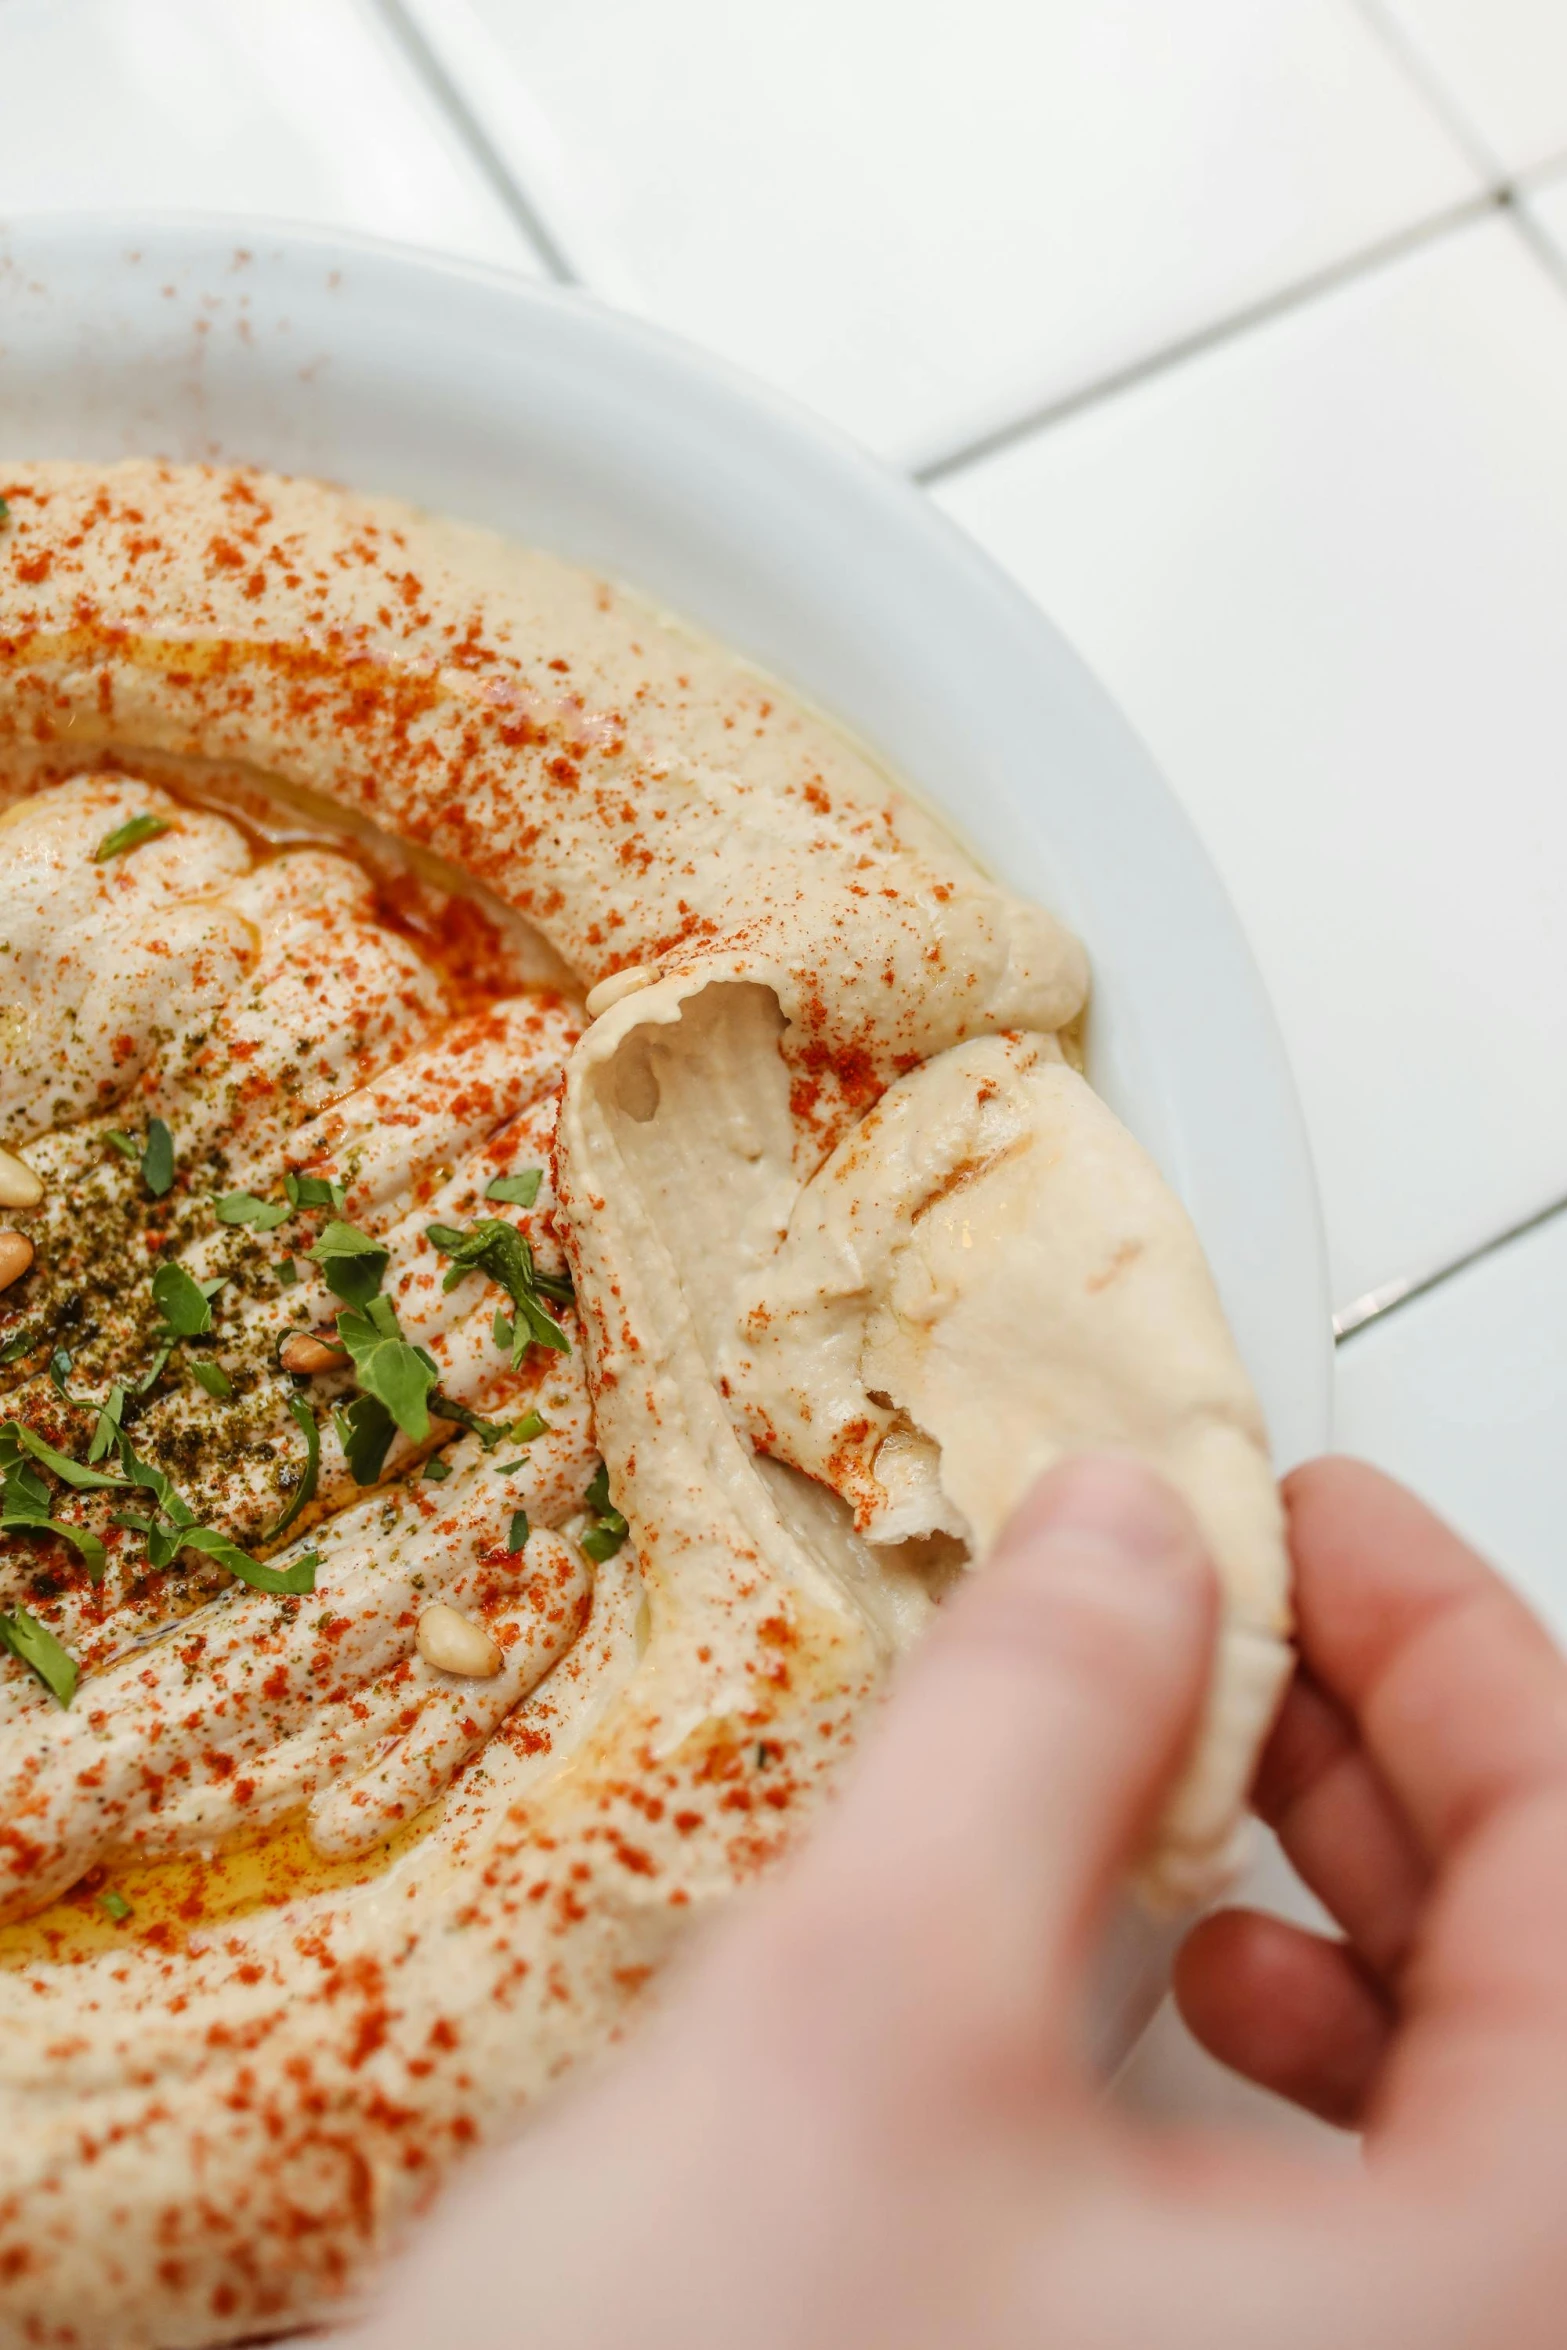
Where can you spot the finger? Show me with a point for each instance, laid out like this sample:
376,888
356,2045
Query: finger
1457,1690
953,1899
1462,1703
1294,2013
1325,1800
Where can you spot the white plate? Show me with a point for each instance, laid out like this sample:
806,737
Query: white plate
547,417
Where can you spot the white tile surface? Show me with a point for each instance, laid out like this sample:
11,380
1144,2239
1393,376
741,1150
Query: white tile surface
1547,203
1325,570
300,108
1501,65
924,219
1463,1394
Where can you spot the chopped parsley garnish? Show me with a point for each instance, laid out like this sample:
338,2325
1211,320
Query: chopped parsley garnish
436,1469
314,1191
5,513
156,1154
34,1645
106,1429
243,1207
15,1439
489,1432
214,1379
609,1529
287,1273
304,1420
517,1191
25,1501
398,1375
157,1158
26,1505
107,1432
295,1582
21,1342
519,1531
501,1251
129,835
116,1906
155,1369
185,1304
365,1429
351,1263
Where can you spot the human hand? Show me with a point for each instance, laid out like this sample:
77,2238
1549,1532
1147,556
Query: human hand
863,2119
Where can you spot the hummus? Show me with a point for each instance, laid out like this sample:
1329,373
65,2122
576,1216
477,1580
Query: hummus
550,1213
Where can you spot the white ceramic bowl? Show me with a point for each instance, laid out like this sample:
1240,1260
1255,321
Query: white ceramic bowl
549,418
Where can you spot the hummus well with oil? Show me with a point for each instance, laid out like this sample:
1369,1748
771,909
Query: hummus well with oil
546,1217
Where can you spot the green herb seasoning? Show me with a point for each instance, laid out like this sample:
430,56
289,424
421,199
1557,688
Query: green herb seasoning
27,1505
214,1379
304,1420
517,1191
106,1434
129,836
365,1429
116,1906
396,1374
243,1207
34,1645
185,1304
609,1529
296,1582
518,1534
20,1343
437,1470
157,1158
501,1251
126,1144
351,1262
489,1432
314,1191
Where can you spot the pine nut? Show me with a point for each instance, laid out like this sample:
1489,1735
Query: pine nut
19,1186
456,1644
617,986
16,1254
306,1355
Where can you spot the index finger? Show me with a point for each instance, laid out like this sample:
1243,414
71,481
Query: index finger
1461,1700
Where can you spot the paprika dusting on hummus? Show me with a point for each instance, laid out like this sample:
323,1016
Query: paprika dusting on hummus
545,1216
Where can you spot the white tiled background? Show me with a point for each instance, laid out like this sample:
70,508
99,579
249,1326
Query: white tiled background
1238,330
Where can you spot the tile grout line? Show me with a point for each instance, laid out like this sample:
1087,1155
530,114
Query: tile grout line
432,71
1377,1304
1289,299
1405,52
1543,247
1512,189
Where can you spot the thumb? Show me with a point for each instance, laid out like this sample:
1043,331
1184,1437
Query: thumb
1021,1762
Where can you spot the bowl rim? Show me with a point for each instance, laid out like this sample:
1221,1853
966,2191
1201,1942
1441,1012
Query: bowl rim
1241,1158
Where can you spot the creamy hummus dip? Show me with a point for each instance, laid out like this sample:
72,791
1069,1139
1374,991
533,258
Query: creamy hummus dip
547,1214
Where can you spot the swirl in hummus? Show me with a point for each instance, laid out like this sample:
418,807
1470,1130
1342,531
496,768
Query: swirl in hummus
459,1029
